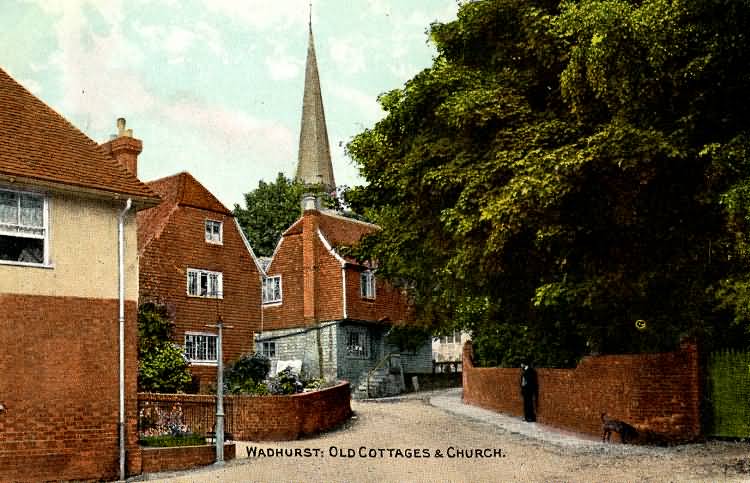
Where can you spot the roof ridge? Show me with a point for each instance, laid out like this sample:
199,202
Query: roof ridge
353,220
119,168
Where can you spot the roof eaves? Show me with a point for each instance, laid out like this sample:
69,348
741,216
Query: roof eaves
141,202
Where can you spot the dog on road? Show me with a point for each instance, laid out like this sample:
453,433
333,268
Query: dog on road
609,426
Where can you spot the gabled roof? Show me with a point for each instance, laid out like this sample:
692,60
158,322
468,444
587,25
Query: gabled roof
177,190
38,145
336,230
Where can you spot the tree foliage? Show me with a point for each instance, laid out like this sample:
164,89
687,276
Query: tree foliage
563,170
272,208
162,366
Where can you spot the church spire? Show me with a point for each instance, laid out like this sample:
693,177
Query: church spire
314,159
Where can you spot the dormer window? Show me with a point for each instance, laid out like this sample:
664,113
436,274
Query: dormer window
272,289
367,284
213,232
23,228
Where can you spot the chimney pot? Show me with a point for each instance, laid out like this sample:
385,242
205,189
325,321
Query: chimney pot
124,147
310,202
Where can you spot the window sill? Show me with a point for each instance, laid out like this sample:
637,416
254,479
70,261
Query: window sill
206,297
27,264
272,304
204,363
218,243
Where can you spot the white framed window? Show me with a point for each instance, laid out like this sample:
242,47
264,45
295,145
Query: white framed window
214,232
24,233
357,343
268,349
203,283
367,284
272,289
200,347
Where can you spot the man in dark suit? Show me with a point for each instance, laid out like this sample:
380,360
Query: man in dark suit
529,391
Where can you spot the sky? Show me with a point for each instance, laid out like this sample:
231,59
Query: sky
214,87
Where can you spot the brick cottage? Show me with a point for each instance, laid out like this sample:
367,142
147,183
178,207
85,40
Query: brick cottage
61,199
194,257
331,312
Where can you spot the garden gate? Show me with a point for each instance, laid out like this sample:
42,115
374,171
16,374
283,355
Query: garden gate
729,394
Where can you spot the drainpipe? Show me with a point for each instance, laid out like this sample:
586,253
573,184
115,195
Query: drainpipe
121,286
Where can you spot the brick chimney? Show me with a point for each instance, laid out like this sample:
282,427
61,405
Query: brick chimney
124,148
310,269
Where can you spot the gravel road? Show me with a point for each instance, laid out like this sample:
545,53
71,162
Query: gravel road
434,437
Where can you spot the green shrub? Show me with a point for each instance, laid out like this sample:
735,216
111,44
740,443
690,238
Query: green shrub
246,374
162,365
285,382
167,440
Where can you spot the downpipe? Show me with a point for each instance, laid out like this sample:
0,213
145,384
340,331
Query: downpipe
121,287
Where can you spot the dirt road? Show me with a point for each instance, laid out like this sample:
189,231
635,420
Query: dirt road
414,441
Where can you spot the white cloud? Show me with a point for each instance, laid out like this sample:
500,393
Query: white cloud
282,66
261,14
366,104
348,54
233,131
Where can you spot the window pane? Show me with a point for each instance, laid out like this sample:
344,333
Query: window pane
201,352
17,249
31,210
8,207
276,288
189,347
211,341
192,283
213,285
204,284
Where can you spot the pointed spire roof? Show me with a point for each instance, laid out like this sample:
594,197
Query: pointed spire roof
314,160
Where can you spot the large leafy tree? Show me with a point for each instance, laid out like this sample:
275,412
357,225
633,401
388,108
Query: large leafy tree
269,210
563,170
272,207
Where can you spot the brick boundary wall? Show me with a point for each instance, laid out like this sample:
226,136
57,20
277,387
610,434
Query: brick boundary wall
658,393
267,418
59,384
155,460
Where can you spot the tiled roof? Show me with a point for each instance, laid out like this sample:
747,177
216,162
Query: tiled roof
338,230
38,144
177,190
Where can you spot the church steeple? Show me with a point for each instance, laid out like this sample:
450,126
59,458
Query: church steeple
314,159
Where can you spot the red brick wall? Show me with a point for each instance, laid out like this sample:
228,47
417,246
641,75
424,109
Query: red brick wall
59,384
270,418
389,303
287,263
163,275
290,262
655,392
182,457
